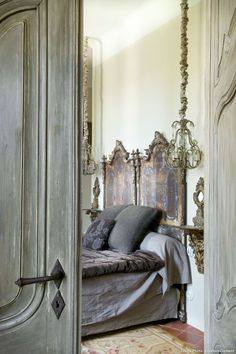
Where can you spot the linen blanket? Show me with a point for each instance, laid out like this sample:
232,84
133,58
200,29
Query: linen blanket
106,262
177,267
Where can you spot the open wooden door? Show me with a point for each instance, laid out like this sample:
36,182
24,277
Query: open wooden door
220,262
39,133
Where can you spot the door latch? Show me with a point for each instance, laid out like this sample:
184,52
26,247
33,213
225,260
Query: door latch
57,275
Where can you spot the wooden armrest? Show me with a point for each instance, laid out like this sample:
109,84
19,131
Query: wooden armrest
170,230
189,230
92,212
179,232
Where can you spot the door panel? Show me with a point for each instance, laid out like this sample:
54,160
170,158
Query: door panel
11,126
22,162
221,206
39,147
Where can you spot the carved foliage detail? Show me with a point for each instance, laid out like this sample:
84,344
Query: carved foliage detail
224,320
197,244
227,43
198,197
226,303
196,241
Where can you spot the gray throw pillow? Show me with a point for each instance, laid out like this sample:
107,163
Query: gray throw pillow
111,212
131,225
96,237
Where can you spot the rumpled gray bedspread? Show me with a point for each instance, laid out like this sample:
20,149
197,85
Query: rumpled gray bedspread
106,262
177,267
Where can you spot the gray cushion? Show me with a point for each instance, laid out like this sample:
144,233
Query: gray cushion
131,225
96,237
111,212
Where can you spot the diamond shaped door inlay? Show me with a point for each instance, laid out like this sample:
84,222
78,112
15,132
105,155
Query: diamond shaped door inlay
58,304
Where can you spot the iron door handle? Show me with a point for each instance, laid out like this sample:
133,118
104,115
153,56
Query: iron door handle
57,275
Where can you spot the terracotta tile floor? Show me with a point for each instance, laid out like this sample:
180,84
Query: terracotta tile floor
186,333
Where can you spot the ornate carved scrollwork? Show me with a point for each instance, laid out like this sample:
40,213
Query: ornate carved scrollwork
226,43
88,163
197,244
198,197
223,315
196,239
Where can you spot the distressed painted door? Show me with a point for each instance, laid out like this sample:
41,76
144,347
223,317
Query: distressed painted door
221,179
38,179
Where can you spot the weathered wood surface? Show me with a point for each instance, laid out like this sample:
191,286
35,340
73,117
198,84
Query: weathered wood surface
221,172
38,172
145,179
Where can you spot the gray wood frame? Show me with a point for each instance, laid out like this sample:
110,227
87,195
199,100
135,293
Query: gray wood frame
220,186
39,160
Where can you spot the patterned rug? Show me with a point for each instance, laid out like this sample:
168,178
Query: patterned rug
145,340
85,350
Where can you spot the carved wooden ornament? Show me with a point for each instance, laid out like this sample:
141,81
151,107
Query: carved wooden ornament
196,240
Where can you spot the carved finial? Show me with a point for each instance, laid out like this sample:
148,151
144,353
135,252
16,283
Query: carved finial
118,148
160,141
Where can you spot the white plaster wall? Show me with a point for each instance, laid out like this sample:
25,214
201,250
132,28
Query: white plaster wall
140,94
196,94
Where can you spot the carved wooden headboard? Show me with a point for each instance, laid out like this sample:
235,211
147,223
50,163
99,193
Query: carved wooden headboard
144,179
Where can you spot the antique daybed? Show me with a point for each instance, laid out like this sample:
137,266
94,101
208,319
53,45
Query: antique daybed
145,270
